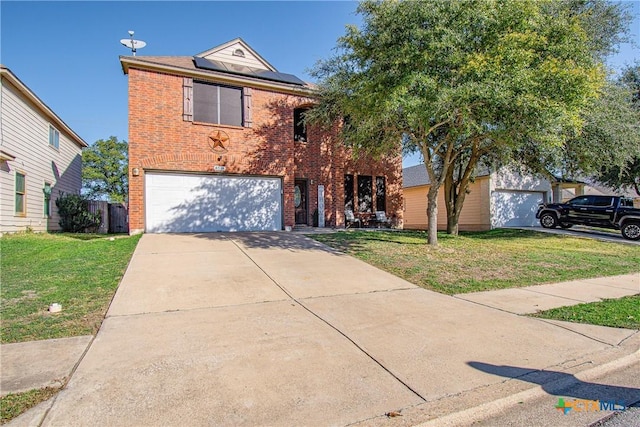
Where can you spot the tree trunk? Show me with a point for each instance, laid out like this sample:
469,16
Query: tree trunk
452,223
454,194
456,185
450,197
453,216
432,215
436,179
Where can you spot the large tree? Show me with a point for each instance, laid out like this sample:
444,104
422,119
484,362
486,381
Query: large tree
459,81
625,174
105,169
607,147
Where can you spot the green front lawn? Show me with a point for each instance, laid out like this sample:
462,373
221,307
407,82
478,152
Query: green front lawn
80,272
478,261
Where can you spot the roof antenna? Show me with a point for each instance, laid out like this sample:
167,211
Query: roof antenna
133,44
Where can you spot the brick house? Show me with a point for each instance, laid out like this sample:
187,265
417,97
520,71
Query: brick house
216,143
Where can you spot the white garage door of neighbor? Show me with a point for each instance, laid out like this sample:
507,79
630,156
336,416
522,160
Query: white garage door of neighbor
183,203
515,208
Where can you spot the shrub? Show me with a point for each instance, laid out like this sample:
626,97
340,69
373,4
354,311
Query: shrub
74,213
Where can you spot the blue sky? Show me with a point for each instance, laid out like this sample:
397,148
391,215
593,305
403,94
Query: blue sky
67,52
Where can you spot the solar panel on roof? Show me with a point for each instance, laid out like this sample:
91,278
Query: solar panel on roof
242,70
208,65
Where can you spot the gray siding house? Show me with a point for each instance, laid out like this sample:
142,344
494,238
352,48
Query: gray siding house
40,158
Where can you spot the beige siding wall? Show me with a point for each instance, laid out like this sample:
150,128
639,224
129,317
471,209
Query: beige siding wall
226,55
415,207
474,215
25,135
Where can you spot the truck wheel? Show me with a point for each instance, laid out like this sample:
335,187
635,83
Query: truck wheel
631,230
548,220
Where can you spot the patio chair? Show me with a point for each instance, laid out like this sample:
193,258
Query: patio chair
350,219
381,219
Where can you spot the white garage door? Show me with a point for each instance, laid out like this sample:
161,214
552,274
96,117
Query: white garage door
184,203
515,208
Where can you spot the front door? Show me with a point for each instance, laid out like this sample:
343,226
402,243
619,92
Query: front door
300,200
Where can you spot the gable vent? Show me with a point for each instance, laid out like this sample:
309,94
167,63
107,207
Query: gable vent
238,52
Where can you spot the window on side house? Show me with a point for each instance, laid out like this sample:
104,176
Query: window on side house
365,193
299,126
54,137
381,199
21,194
217,104
348,192
47,200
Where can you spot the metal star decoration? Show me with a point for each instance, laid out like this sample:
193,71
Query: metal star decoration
218,140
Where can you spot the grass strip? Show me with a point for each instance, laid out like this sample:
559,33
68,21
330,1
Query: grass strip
79,271
14,404
616,313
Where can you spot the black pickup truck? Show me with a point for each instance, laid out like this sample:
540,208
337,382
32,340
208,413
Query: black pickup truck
612,212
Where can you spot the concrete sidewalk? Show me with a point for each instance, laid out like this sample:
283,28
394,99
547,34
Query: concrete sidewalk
531,299
277,329
38,364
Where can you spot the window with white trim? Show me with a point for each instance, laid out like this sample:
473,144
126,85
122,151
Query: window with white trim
54,137
21,194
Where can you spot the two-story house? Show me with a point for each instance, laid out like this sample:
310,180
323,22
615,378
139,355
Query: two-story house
217,143
40,158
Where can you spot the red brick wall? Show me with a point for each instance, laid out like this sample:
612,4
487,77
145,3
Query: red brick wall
159,139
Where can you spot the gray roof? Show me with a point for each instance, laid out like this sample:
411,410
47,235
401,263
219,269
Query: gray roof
415,176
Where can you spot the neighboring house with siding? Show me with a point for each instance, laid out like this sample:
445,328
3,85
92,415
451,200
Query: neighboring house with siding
503,198
216,143
40,158
596,189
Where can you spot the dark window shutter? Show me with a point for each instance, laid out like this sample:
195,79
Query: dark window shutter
187,89
248,117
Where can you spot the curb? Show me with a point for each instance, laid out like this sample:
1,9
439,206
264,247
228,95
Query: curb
487,410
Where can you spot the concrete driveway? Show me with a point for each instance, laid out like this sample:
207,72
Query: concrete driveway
276,329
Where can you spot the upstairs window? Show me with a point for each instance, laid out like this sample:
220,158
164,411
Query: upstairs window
299,126
54,137
217,104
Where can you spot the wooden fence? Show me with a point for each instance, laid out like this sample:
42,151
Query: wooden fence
114,216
